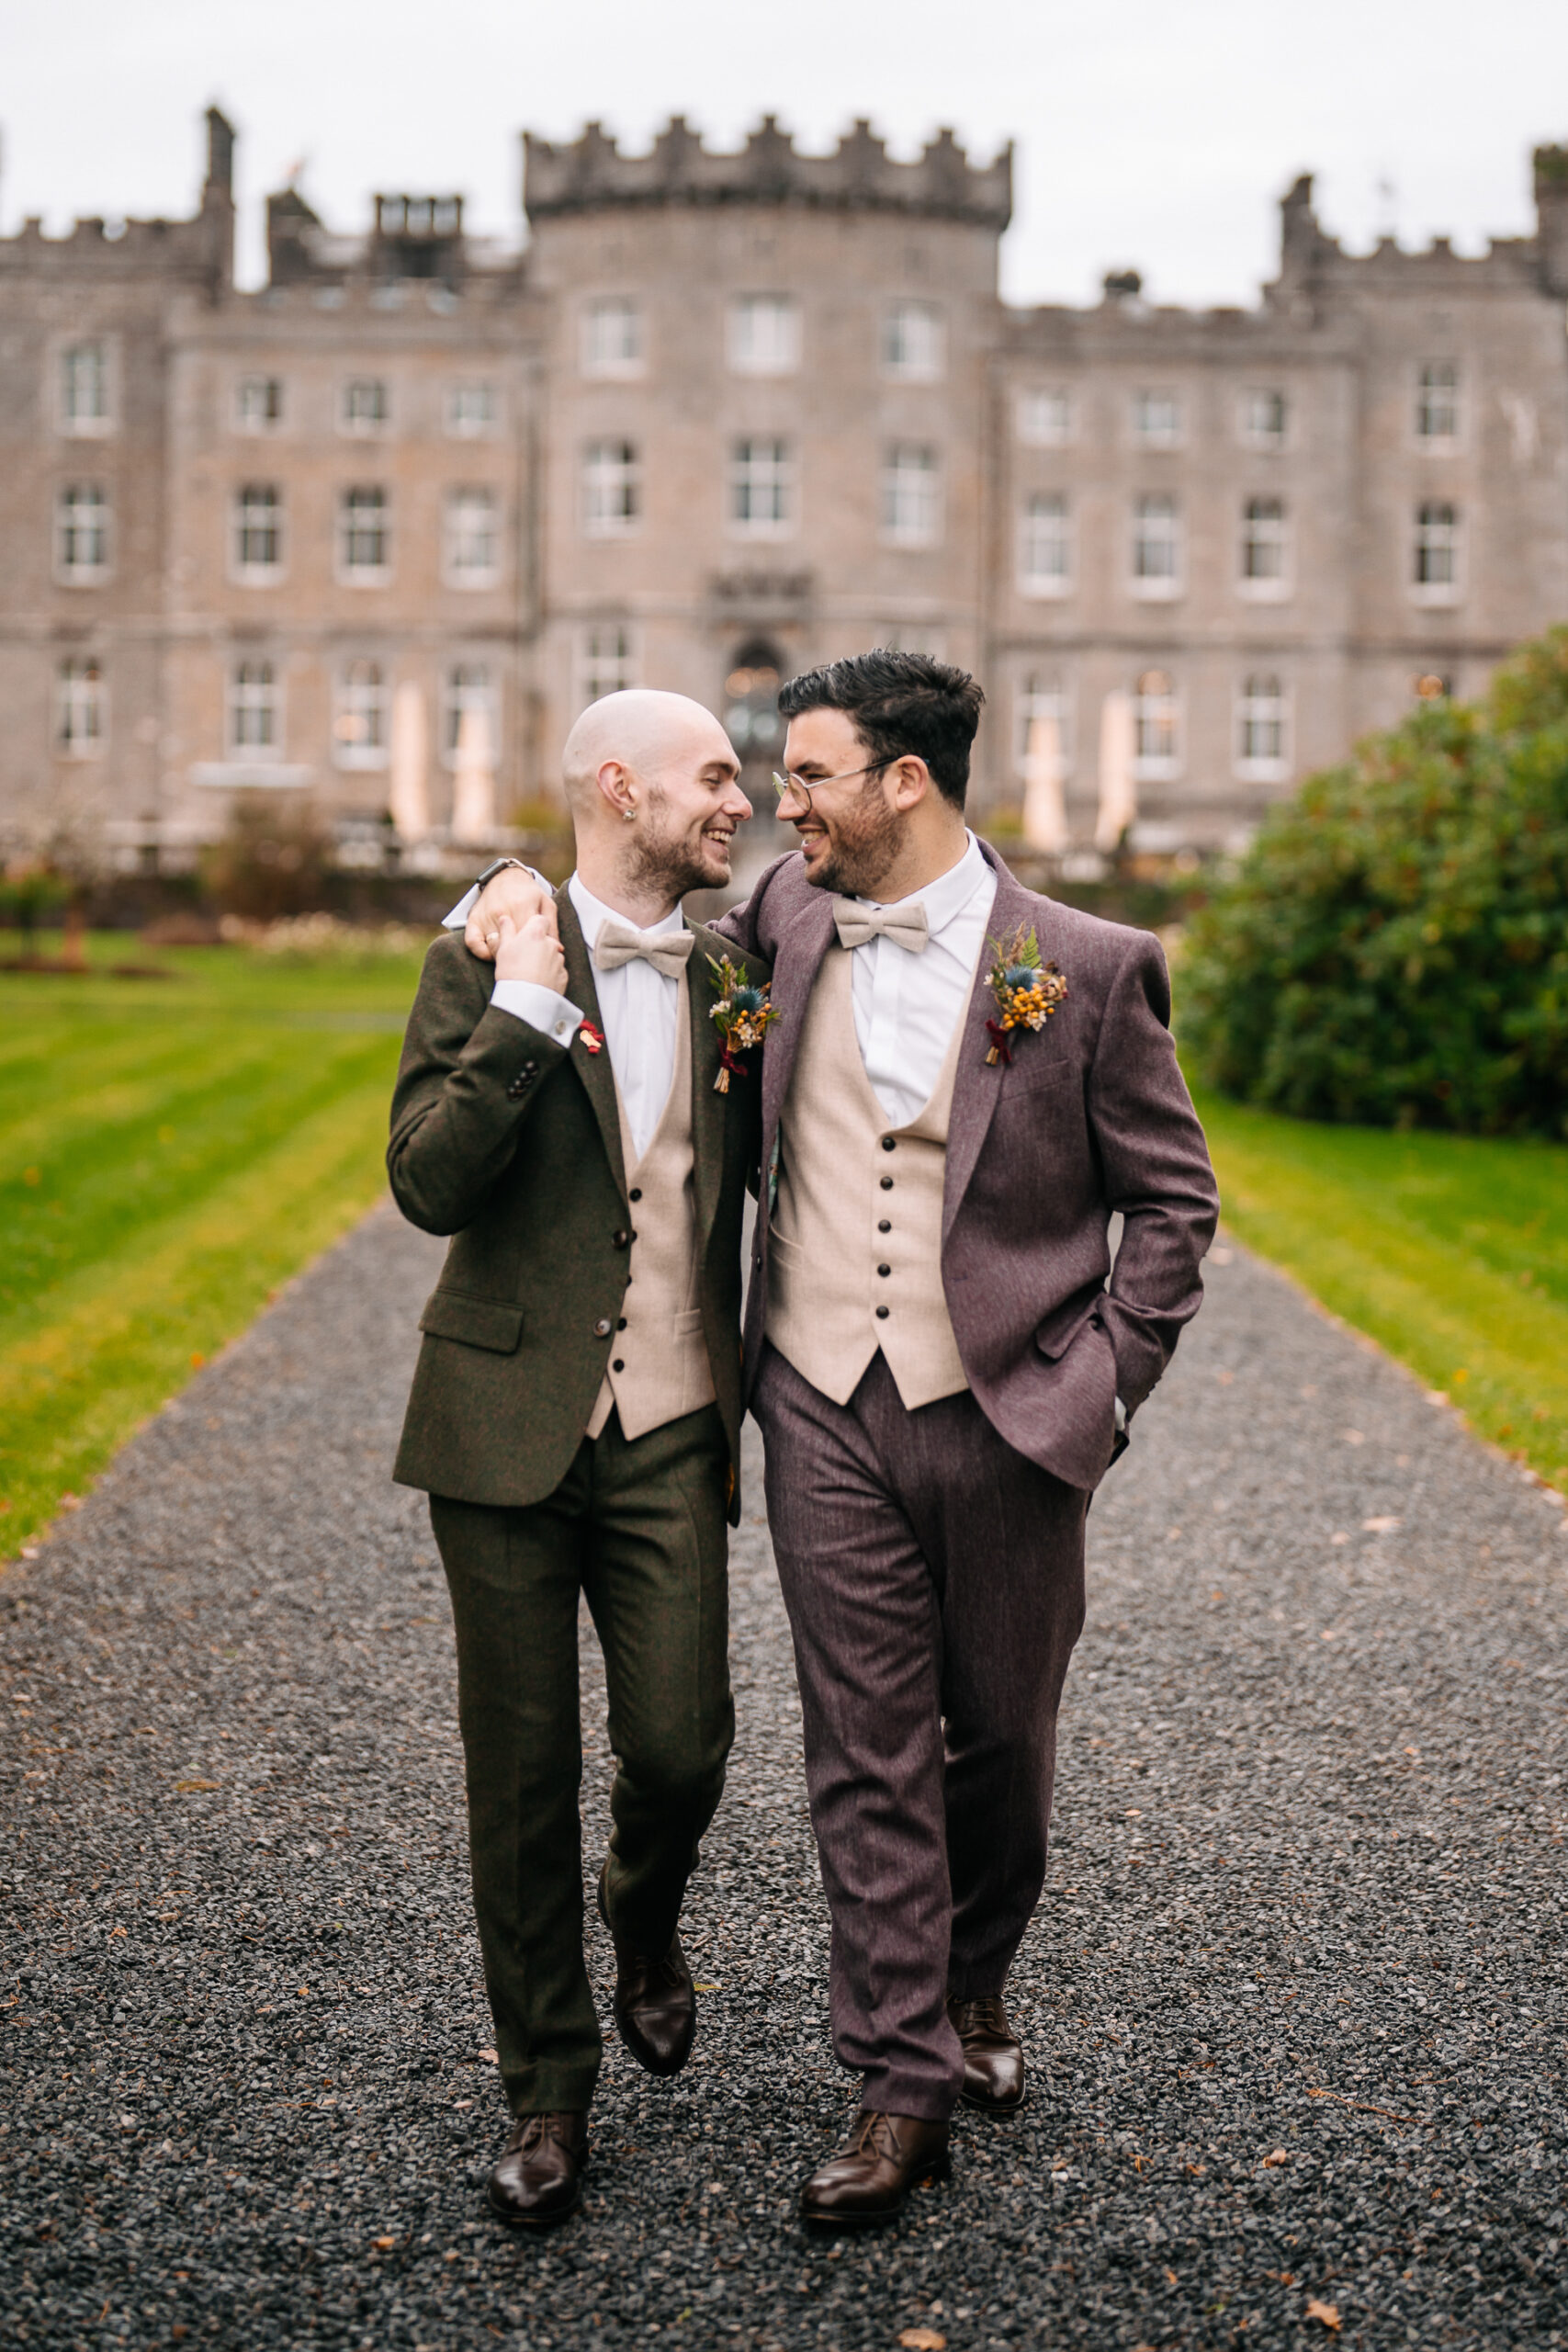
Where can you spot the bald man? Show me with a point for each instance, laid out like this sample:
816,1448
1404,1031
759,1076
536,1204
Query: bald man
575,1414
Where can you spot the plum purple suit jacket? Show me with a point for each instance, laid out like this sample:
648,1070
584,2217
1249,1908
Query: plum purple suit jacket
1091,1117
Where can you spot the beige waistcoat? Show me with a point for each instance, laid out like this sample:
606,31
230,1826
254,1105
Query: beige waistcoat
826,1254
658,1365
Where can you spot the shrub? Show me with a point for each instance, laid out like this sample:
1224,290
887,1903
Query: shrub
272,861
1395,948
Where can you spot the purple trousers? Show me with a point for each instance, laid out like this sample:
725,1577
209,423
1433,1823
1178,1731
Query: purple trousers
935,1588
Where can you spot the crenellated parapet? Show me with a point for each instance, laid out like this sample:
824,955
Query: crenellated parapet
94,251
592,175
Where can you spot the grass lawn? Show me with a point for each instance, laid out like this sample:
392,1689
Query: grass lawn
1451,1251
170,1152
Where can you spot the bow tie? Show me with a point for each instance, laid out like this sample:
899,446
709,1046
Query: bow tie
667,951
904,926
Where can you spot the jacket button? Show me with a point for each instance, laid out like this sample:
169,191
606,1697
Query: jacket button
882,1315
885,1225
601,1329
621,1237
530,1070
516,1091
887,1142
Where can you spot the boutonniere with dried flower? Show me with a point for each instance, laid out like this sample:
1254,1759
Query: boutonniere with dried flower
593,1039
1026,990
743,1016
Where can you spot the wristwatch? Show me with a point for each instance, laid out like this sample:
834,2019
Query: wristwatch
499,866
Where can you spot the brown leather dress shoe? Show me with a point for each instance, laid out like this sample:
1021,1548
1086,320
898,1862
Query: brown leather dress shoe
538,2178
656,2002
993,2061
868,2180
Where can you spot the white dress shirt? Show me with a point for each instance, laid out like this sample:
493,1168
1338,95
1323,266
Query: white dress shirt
640,1007
906,1006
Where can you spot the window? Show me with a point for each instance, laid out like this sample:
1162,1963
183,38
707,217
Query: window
1265,549
764,335
1435,564
364,535
1156,547
910,495
1044,419
606,661
612,489
258,530
467,687
84,389
255,709
1261,729
81,533
1045,551
1156,727
1040,699
1156,419
471,546
80,717
1437,402
1265,417
612,338
912,342
472,412
760,487
258,404
359,726
366,405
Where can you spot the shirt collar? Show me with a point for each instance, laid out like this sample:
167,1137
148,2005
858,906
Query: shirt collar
593,914
947,897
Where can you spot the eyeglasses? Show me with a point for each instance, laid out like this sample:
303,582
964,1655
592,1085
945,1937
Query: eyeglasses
785,785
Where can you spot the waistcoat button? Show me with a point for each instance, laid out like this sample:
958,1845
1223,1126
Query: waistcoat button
882,1315
885,1225
637,1192
887,1142
885,1270
888,1183
617,1365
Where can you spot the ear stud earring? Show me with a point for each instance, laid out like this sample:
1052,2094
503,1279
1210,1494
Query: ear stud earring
628,816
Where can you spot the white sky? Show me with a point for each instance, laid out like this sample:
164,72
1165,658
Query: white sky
1155,133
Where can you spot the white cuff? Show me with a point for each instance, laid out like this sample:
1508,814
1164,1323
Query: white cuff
1121,1418
465,906
530,1000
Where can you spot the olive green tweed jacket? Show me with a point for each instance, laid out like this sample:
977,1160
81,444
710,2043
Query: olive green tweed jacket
511,1143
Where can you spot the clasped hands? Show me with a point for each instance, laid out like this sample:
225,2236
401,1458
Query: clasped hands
511,924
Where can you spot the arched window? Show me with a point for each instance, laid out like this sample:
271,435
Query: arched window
751,701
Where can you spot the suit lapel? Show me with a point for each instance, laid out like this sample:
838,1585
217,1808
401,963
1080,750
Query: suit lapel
708,1106
977,1082
801,947
594,1069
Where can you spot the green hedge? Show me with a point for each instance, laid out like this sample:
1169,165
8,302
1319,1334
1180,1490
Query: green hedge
1393,950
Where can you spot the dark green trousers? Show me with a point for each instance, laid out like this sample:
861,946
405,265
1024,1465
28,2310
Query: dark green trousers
638,1527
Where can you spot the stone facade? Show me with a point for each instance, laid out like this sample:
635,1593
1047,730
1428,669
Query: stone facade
379,530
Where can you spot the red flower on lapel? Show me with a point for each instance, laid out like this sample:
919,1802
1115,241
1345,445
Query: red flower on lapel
593,1039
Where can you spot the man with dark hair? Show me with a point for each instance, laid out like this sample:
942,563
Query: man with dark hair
965,1082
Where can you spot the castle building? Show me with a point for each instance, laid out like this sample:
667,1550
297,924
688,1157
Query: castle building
379,530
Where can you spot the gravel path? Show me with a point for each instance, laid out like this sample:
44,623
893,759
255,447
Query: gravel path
1297,1980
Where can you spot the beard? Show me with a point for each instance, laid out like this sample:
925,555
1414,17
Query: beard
658,860
864,846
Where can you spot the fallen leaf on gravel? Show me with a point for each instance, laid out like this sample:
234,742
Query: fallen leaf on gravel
1327,2312
386,2244
1354,1437
185,1788
119,1931
492,2056
922,2339
1280,2156
304,1992
1384,1526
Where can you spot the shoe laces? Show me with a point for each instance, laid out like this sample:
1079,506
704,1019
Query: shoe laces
538,2128
874,2134
986,2013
